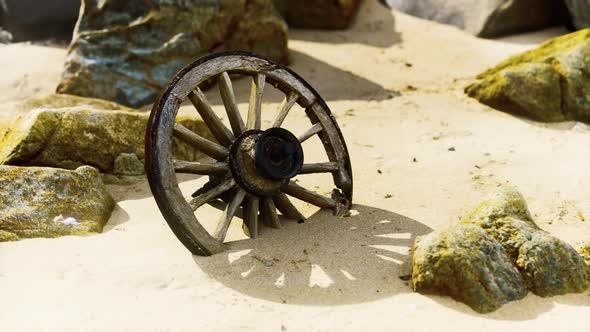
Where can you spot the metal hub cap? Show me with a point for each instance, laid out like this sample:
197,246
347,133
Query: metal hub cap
263,161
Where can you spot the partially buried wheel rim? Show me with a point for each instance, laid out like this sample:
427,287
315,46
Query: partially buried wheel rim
252,167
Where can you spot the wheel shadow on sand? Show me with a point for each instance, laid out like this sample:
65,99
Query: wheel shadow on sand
326,260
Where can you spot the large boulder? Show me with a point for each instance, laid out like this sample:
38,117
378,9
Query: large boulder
318,14
34,19
50,202
549,83
464,262
126,51
486,18
580,13
548,265
69,132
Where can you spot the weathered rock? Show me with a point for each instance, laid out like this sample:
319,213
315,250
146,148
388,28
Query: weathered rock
126,51
549,83
128,164
54,133
580,13
585,252
548,265
50,202
318,14
33,19
464,262
486,18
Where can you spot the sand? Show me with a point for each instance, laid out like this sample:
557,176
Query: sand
395,84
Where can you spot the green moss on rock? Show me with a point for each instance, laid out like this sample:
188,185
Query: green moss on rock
464,262
50,202
69,133
126,51
548,265
585,252
549,83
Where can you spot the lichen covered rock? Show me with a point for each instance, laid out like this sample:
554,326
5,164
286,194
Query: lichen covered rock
49,202
318,14
126,51
464,262
549,83
548,265
56,134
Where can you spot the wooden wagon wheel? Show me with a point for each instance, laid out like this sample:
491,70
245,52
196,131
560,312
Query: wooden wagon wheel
252,167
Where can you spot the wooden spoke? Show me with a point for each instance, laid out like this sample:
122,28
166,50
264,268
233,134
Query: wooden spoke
269,212
255,109
228,215
319,168
231,106
284,205
251,216
208,147
213,193
310,132
285,107
218,129
309,196
181,166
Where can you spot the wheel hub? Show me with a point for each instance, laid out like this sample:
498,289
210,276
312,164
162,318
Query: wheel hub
263,161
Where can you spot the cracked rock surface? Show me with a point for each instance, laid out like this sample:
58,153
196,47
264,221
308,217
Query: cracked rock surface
474,269
549,83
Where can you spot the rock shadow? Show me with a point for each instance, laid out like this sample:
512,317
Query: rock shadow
326,260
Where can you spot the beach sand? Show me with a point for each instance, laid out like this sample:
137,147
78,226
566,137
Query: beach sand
395,84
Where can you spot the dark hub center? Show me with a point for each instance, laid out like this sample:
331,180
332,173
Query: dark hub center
278,154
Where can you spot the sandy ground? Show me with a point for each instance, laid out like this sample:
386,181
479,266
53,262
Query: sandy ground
395,84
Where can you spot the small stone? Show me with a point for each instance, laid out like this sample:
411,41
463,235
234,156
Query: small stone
128,164
452,149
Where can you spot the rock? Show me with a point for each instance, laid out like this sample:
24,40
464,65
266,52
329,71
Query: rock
548,265
580,13
464,262
49,202
548,83
585,252
127,51
486,18
128,164
33,19
318,14
69,132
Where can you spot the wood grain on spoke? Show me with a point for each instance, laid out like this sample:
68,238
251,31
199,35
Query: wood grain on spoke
231,106
208,147
255,109
251,215
228,215
269,212
309,196
285,107
189,167
284,205
213,193
218,129
310,132
319,168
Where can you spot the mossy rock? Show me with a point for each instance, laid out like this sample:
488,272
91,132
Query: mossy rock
585,252
127,51
50,202
549,83
69,132
318,14
548,265
464,262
